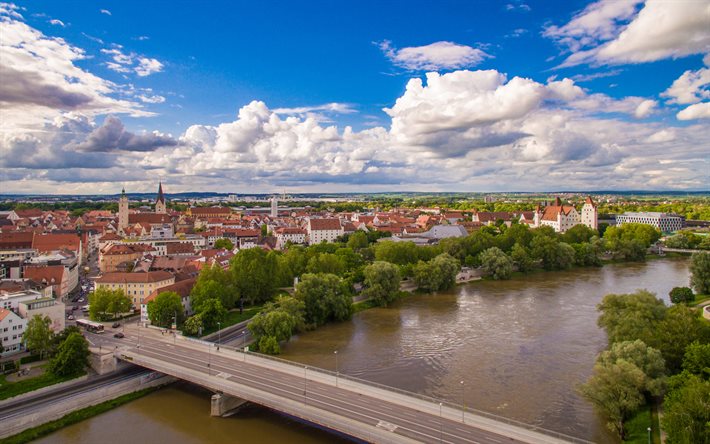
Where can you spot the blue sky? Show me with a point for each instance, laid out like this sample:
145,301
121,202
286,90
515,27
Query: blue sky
335,96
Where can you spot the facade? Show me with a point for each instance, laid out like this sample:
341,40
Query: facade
292,234
122,211
182,288
563,217
320,230
136,286
56,276
590,217
274,207
12,301
12,327
663,221
49,307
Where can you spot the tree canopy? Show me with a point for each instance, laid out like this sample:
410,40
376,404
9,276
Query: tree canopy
106,304
382,281
164,308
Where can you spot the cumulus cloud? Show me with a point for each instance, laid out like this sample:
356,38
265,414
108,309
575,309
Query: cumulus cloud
611,32
690,87
105,11
433,57
697,111
112,136
40,79
57,22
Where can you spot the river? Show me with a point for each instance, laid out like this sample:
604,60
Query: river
520,347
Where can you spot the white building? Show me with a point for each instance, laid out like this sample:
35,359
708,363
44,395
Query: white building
12,301
49,307
563,217
292,234
663,221
590,216
274,207
320,230
12,327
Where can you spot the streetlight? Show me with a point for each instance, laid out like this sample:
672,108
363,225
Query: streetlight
441,424
649,435
336,367
244,339
463,404
219,334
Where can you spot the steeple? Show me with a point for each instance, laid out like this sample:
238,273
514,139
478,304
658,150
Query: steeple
160,207
160,198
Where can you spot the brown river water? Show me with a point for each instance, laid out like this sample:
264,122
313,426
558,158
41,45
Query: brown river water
520,346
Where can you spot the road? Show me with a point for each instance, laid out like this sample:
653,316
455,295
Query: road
362,407
29,405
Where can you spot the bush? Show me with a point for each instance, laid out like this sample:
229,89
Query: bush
681,295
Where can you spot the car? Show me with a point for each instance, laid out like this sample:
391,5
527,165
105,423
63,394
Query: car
116,325
118,335
81,299
70,317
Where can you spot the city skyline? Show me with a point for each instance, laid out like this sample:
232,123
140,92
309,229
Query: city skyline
524,96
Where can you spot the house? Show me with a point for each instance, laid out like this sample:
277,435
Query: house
56,276
558,216
136,286
48,307
294,235
320,230
182,288
12,327
115,254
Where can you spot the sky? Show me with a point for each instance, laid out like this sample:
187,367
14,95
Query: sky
354,96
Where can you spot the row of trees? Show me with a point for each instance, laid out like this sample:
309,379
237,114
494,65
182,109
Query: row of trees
649,341
68,349
106,304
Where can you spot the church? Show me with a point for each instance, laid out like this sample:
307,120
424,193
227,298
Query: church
124,220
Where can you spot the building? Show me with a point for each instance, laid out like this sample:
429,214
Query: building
49,307
122,211
62,279
12,301
12,327
136,286
208,212
665,222
114,255
289,234
590,217
274,207
182,288
320,230
160,206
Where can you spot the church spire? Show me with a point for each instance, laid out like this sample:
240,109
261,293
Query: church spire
160,198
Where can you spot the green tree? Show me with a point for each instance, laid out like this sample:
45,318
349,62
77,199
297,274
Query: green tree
697,359
38,335
382,281
254,271
326,298
497,263
326,263
521,257
212,312
579,234
616,390
627,317
213,283
400,253
700,272
681,295
72,356
677,241
680,327
646,358
225,243
106,304
358,240
164,308
437,274
686,411
193,325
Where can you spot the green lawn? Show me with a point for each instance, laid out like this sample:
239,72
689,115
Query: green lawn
233,317
700,298
10,389
637,427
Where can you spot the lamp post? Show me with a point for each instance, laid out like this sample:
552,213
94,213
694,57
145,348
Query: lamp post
305,384
209,360
244,339
463,403
649,435
219,334
336,367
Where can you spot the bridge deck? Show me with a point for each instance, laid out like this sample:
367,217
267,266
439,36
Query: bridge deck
353,407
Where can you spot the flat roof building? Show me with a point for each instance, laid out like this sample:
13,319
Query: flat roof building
663,221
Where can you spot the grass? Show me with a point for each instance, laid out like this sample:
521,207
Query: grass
233,317
74,417
10,389
637,426
700,298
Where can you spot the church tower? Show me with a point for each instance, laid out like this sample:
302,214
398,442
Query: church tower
589,214
274,206
160,201
122,211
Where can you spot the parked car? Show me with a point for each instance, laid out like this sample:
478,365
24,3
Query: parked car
118,335
70,317
116,325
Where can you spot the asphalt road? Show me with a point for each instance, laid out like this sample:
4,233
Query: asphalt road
409,422
28,405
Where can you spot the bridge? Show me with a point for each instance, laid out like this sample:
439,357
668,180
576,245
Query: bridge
354,407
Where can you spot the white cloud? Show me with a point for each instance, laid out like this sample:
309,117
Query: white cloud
661,29
57,22
334,107
105,11
433,57
697,111
690,87
661,136
132,62
579,78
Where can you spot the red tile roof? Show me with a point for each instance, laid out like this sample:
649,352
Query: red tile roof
151,276
324,224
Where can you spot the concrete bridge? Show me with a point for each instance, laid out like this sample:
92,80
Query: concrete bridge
354,407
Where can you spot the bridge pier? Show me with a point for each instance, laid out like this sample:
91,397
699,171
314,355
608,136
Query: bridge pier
102,360
222,404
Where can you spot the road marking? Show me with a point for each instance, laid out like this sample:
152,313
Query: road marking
387,426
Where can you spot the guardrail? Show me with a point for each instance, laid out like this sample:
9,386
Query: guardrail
434,401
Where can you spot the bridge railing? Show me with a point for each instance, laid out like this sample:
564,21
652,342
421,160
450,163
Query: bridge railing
434,401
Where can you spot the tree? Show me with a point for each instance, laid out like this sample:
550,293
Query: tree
686,411
521,257
253,271
358,240
60,337
616,390
697,359
680,327
700,272
437,274
627,317
677,241
106,304
225,243
647,359
497,263
382,281
400,253
579,234
681,295
212,312
164,308
213,283
72,356
38,335
326,263
326,298
193,325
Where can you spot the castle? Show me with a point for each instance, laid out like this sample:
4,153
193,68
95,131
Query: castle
563,217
